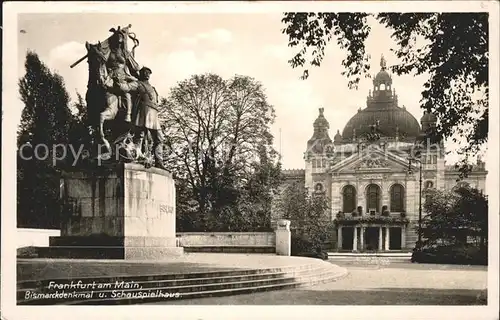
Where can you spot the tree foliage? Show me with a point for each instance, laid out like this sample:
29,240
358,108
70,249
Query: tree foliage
47,130
220,146
455,216
45,122
452,48
309,216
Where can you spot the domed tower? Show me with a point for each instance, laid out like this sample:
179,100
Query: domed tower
319,150
432,153
382,109
337,139
428,121
320,141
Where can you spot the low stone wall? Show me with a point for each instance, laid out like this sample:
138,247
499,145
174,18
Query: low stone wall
226,239
35,237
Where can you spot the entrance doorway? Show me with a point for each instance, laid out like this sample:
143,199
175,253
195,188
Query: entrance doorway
395,239
347,238
371,238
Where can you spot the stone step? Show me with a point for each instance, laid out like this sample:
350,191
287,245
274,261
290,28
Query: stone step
168,276
145,283
389,255
231,249
199,287
250,287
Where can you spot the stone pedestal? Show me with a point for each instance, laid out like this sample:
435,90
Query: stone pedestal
283,238
122,211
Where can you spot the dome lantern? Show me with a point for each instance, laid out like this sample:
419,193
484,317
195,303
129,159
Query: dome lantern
382,81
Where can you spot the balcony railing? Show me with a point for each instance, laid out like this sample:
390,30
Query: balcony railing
349,219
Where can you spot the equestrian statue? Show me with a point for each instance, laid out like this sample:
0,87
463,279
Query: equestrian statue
119,94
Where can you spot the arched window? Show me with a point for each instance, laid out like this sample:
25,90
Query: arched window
397,198
382,87
373,198
429,185
349,198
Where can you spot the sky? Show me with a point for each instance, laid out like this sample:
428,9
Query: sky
178,45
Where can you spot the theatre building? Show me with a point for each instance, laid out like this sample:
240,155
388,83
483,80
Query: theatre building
366,174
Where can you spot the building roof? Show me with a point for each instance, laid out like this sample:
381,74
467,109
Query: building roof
382,108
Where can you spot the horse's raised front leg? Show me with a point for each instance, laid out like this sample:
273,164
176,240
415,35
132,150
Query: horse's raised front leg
103,118
108,114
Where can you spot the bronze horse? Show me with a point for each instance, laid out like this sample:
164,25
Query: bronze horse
112,69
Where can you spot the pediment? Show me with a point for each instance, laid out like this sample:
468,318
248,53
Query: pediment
373,161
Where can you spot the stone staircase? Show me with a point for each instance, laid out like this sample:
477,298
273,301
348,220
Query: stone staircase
231,249
151,288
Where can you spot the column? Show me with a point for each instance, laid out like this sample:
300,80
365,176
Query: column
387,235
339,238
403,237
355,240
362,238
380,238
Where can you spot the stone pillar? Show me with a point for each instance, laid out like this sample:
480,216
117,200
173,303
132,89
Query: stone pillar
339,238
283,238
361,238
380,238
403,237
355,239
387,235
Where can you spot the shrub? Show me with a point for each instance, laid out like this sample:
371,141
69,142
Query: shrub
451,254
340,215
27,252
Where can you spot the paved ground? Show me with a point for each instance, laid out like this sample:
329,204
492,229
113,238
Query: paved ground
375,281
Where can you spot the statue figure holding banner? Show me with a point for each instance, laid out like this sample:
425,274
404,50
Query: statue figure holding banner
112,73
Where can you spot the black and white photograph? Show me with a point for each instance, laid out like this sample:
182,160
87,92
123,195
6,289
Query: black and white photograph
190,156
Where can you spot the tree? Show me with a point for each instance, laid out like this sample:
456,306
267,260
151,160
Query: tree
260,189
45,122
309,218
454,54
441,221
472,206
216,129
455,217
